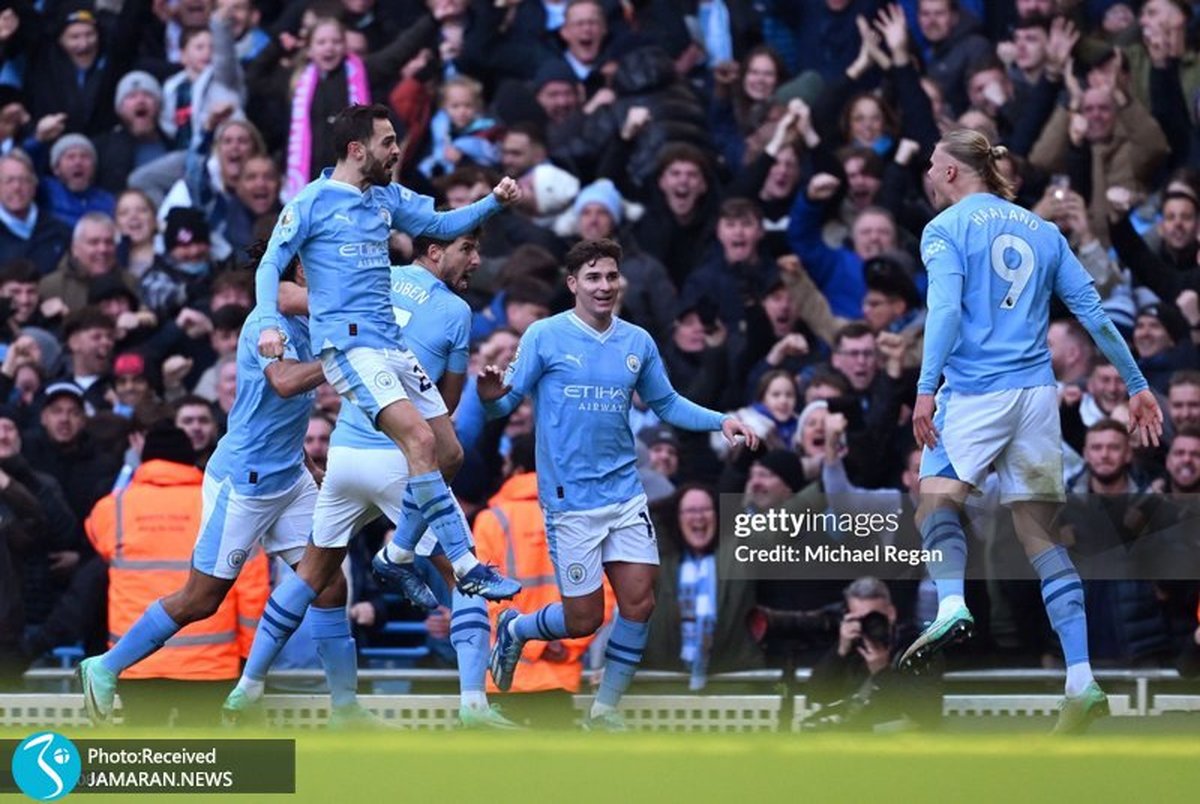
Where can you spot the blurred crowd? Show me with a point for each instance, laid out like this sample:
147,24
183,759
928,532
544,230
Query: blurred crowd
761,163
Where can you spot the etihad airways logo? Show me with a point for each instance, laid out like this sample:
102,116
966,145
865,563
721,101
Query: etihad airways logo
594,392
598,398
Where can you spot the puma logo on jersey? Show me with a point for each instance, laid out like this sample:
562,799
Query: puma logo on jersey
576,359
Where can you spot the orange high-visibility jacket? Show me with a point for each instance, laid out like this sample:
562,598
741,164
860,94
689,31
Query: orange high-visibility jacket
511,534
146,533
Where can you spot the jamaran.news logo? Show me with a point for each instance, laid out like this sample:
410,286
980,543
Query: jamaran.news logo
46,766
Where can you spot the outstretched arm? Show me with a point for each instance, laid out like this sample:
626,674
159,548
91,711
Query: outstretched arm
679,411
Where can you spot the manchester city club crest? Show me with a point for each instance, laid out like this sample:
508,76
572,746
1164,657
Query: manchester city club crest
633,363
386,214
237,558
575,573
385,380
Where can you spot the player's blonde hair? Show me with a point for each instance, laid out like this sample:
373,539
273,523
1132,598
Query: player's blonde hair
972,150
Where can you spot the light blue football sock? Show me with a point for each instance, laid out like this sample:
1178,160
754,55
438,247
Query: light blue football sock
428,497
338,653
622,656
547,624
148,634
1062,594
469,631
280,619
943,531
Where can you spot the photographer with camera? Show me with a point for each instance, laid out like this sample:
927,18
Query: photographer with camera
854,681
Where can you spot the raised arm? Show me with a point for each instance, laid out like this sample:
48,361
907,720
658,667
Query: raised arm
289,234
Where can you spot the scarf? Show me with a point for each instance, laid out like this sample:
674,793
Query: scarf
21,227
299,156
786,428
697,613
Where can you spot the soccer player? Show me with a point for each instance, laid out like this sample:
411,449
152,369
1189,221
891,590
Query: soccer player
339,225
256,487
992,269
366,473
581,368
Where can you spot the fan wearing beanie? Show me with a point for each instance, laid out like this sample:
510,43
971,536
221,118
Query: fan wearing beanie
71,191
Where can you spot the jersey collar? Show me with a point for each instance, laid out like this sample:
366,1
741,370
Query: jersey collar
340,185
583,325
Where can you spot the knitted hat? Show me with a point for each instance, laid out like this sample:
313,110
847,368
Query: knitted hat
601,191
66,143
185,225
784,464
1169,316
137,81
166,442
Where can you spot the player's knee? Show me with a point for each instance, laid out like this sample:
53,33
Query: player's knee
420,447
199,605
450,458
584,623
639,609
334,594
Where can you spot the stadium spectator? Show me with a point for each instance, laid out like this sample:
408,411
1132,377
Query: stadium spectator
1071,352
838,272
136,140
136,230
72,192
194,416
1183,399
93,254
26,230
1125,617
1163,344
699,623
62,448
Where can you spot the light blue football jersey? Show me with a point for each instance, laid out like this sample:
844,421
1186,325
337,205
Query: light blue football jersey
436,323
993,267
581,382
262,451
341,235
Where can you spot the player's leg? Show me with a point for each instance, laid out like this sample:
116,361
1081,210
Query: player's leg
330,517
974,431
630,554
227,529
938,517
199,599
470,633
1031,481
633,585
429,503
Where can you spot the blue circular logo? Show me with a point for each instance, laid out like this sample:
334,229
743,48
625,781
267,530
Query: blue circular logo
46,766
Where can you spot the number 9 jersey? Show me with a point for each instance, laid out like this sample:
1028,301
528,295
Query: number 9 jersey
998,263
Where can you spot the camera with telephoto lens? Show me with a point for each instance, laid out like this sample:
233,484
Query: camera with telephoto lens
875,627
768,624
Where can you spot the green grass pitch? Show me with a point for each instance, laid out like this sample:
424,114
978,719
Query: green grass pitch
1139,764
